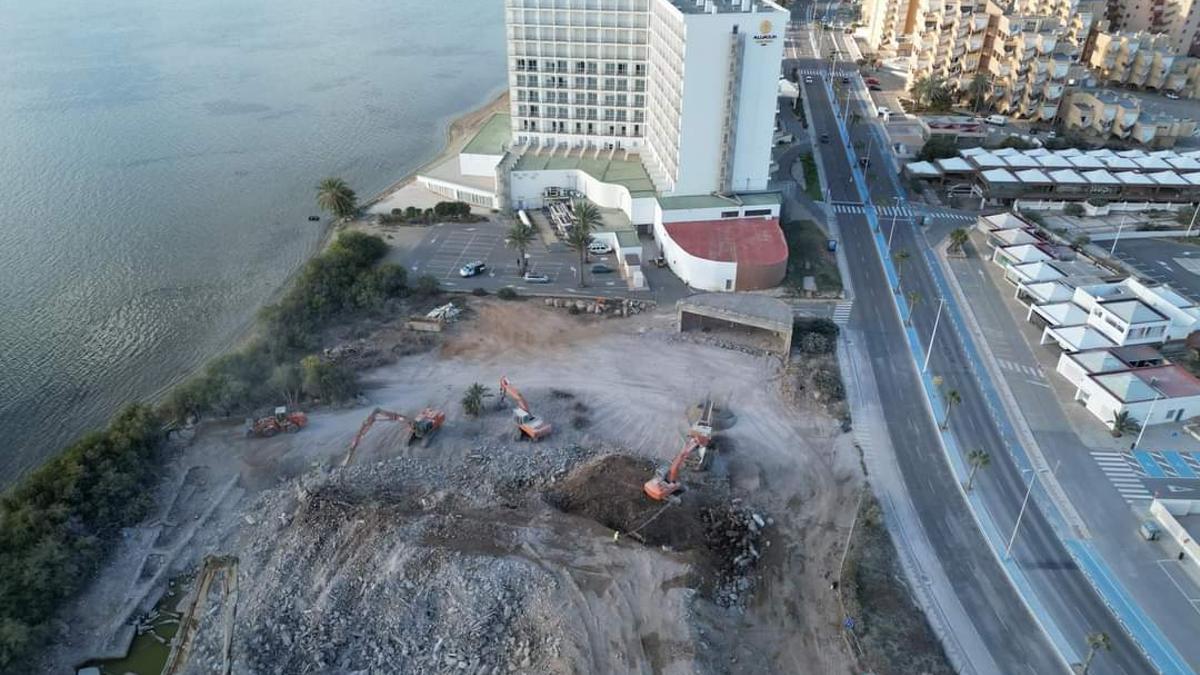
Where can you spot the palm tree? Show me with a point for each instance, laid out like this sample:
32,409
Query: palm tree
472,400
1095,642
958,237
914,299
953,398
1122,424
899,258
922,90
580,236
977,459
520,236
336,197
977,89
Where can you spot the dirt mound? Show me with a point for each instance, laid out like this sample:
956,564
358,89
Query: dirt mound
722,534
609,491
517,328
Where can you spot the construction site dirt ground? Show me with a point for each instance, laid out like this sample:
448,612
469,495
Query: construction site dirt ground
477,553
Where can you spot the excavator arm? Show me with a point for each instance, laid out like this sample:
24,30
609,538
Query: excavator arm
366,426
660,488
507,389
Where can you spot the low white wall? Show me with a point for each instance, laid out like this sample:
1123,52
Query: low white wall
478,165
1163,410
527,188
462,193
714,213
1100,403
1056,205
1073,372
705,275
1165,512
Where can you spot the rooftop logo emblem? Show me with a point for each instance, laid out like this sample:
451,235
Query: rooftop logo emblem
766,33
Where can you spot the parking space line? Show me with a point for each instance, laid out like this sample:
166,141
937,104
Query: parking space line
1194,602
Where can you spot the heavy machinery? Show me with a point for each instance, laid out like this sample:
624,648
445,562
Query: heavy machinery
282,420
702,432
419,429
528,425
662,486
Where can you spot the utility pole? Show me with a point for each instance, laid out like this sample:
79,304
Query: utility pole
1146,422
1193,223
1112,251
936,320
1021,513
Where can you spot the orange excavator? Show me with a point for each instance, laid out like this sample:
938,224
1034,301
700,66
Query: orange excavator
662,486
420,429
282,420
528,425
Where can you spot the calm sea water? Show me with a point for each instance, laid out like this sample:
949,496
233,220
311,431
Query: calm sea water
157,164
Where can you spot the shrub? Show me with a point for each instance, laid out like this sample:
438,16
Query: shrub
479,291
1097,201
823,326
426,285
1073,209
507,293
58,524
331,382
815,343
938,147
829,384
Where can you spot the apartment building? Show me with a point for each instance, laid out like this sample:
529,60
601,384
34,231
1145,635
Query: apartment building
1179,20
1026,48
1144,60
1107,114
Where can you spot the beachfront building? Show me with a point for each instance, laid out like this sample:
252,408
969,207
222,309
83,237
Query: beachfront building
661,112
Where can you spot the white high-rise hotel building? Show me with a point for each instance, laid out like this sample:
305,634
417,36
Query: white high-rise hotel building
689,85
660,112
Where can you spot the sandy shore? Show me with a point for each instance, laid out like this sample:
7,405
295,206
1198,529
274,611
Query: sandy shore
458,134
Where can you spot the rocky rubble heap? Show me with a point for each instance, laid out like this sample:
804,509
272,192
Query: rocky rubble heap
372,569
736,535
607,306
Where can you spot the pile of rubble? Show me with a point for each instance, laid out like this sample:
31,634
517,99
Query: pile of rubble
607,306
736,536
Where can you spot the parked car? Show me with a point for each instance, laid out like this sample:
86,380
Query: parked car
808,79
845,80
602,269
864,162
872,80
472,268
874,87
997,120
1172,95
660,262
536,278
599,248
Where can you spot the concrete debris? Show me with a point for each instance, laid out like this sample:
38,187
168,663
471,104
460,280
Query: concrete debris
447,312
622,307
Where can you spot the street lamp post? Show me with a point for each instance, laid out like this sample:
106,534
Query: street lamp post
936,320
1021,513
1193,223
1146,422
1120,227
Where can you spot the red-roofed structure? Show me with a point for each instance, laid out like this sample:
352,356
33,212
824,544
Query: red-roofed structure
739,254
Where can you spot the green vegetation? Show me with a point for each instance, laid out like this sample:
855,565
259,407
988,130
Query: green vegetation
507,293
938,147
441,212
519,237
58,524
958,238
809,256
1073,209
336,197
977,459
587,216
343,280
932,94
812,180
472,400
149,651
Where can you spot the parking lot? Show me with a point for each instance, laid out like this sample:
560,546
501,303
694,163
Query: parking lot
446,247
1164,261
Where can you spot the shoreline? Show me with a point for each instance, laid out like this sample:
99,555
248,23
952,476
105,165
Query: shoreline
458,132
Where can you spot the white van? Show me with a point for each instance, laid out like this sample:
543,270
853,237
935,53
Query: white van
998,120
599,248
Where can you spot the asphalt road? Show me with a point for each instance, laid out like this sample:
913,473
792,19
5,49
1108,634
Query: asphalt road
1000,617
1163,260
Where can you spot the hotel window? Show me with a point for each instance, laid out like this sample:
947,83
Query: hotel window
758,212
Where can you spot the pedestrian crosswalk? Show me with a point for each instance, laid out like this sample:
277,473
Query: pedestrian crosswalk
854,208
1122,474
1022,368
841,313
825,71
